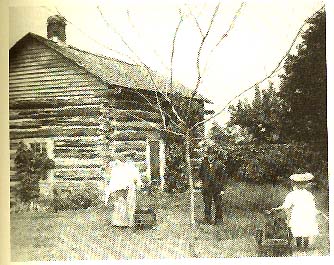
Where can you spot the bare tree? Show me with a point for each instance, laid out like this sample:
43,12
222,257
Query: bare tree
180,120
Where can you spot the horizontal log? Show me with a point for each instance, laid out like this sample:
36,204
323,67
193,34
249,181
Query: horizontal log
33,47
139,146
51,102
76,162
51,92
45,63
81,153
123,104
78,148
136,125
78,173
129,143
13,144
131,95
129,136
15,82
134,115
30,45
135,156
30,54
80,91
43,73
55,83
53,132
42,58
78,142
70,111
56,121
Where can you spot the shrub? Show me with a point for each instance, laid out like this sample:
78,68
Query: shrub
74,198
30,168
274,163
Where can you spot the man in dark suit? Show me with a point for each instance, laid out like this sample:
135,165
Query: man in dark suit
212,174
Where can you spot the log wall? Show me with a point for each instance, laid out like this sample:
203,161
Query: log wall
52,98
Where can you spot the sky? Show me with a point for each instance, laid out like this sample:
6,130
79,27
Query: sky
260,36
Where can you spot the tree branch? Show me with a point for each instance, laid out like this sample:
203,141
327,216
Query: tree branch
196,21
199,77
237,13
276,69
173,51
147,69
223,36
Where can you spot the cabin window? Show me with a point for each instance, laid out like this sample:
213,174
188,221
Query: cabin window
40,146
37,147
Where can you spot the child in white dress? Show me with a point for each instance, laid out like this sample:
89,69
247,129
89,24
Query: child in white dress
302,210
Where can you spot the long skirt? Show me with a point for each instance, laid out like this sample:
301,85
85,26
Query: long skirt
124,207
131,205
119,213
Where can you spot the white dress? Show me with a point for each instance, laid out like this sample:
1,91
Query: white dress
303,213
123,176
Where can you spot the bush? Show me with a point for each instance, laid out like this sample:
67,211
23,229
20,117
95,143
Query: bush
30,167
74,198
274,163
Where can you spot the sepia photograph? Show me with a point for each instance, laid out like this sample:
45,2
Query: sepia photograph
167,130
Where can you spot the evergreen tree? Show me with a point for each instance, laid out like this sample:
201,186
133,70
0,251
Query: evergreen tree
303,86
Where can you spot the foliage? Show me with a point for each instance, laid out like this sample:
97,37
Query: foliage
288,127
274,163
175,165
298,111
74,198
30,168
267,162
262,117
304,85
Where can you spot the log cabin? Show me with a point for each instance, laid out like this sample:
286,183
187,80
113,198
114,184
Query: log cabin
84,108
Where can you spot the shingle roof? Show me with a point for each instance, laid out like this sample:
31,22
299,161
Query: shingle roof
116,72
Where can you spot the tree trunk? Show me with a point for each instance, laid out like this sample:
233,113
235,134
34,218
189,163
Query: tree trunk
190,178
191,234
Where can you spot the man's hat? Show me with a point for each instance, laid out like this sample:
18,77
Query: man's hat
301,177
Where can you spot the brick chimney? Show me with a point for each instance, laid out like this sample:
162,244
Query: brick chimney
56,29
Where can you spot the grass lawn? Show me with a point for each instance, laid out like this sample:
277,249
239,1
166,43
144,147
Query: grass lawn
87,234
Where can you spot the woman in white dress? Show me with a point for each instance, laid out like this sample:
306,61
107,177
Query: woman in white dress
302,210
123,183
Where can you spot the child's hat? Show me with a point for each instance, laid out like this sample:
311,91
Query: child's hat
302,177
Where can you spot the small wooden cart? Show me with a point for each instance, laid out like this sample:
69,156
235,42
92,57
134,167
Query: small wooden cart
145,218
274,239
145,215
